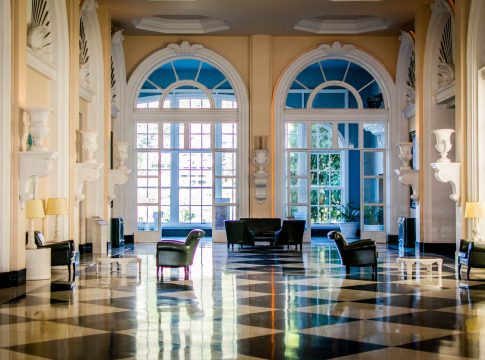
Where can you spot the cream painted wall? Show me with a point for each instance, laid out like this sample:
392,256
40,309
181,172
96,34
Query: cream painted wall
37,89
38,96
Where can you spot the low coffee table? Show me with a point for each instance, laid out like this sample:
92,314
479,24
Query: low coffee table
428,261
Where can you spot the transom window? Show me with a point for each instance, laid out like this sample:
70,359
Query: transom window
186,84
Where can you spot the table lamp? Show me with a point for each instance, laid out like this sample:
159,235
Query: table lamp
475,211
34,209
56,206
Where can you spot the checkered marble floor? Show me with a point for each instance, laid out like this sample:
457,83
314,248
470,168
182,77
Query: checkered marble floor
248,304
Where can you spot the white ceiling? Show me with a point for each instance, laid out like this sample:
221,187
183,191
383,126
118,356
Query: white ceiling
274,17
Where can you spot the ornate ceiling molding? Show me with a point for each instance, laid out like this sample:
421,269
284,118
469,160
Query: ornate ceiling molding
180,26
355,26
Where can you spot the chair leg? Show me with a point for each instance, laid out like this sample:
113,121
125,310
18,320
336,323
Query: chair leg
186,272
468,272
68,272
459,271
347,269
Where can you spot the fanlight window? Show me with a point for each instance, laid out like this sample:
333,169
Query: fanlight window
186,84
334,83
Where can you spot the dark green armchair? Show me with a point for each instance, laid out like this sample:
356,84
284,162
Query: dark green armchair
358,253
237,232
172,253
470,254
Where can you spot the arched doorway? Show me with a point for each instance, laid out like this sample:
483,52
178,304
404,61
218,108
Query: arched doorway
189,115
332,123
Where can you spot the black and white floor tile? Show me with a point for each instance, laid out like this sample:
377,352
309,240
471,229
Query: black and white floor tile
248,304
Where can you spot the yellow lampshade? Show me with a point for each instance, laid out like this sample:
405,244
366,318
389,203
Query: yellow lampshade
56,206
474,210
34,209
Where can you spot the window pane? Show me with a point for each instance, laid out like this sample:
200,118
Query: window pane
225,164
374,135
298,164
296,135
373,163
298,212
299,192
348,135
322,136
224,213
226,136
374,191
373,218
147,218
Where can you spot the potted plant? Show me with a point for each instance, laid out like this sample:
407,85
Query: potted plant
350,215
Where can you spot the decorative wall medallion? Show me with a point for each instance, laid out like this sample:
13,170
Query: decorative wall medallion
185,48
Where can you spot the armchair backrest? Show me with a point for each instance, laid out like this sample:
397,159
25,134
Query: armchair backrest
191,242
237,232
292,232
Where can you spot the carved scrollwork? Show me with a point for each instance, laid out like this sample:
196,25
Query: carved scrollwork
185,48
39,37
336,48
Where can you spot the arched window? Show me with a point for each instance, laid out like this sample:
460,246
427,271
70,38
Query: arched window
188,147
331,112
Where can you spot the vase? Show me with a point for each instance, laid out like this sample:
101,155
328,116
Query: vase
443,143
261,159
405,154
121,154
38,127
89,144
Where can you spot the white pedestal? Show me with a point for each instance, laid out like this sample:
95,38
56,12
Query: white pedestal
38,263
97,234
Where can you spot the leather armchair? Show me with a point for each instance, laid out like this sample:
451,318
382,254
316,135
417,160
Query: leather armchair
291,233
358,253
237,232
62,252
172,253
470,254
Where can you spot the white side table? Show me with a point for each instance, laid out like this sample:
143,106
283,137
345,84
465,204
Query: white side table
427,261
38,263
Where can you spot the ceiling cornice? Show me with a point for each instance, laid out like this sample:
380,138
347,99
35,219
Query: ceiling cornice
355,26
180,26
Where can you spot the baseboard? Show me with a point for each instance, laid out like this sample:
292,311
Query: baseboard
12,278
446,249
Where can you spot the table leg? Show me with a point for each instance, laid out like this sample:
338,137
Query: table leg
409,269
440,267
122,267
429,268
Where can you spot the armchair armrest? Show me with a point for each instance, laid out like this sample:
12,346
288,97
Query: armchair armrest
58,246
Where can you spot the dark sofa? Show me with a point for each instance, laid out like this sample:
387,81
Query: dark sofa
263,229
